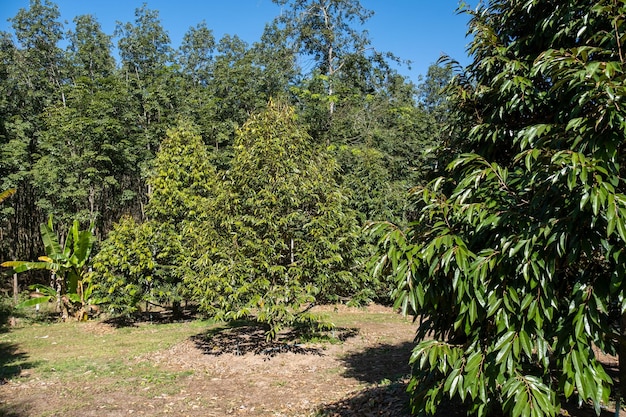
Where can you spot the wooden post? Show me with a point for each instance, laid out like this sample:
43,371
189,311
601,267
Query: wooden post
16,290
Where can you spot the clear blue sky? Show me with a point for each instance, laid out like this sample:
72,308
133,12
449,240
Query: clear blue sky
415,30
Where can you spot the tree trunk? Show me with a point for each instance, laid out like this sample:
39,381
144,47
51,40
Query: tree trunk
177,311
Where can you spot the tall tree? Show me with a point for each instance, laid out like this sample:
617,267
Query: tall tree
90,49
323,29
85,148
235,92
354,101
145,45
36,76
278,62
151,81
431,91
516,263
88,168
288,237
196,58
146,57
38,31
196,54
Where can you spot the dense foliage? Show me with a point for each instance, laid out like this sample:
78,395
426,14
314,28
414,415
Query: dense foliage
287,237
516,264
79,131
265,240
145,262
136,264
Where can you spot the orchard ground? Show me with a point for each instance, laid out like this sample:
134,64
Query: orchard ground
195,368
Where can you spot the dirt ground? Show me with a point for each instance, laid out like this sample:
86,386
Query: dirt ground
237,373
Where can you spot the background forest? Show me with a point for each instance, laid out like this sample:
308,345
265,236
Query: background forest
178,156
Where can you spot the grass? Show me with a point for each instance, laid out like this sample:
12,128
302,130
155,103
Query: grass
65,350
357,316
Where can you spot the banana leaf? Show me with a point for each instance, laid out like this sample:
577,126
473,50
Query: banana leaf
22,266
72,277
82,244
51,242
41,294
34,301
6,194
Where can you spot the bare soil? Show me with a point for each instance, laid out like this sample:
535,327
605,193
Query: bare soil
235,372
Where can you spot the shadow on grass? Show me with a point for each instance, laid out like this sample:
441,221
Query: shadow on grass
386,366
393,400
390,401
164,316
12,361
19,410
243,337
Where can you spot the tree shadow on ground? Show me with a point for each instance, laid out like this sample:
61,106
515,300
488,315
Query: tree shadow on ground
12,361
387,368
14,410
164,316
389,401
394,401
241,338
381,363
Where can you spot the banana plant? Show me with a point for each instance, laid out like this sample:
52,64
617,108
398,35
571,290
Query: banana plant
67,265
6,194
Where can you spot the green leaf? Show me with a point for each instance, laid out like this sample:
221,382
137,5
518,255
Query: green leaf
33,302
504,341
50,241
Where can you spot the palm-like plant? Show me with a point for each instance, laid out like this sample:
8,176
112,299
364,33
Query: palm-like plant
68,267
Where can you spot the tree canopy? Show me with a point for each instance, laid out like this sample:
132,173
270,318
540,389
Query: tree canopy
515,264
287,235
80,125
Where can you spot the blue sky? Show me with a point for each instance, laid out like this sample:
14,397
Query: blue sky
415,30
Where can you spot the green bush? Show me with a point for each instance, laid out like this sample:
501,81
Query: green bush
6,310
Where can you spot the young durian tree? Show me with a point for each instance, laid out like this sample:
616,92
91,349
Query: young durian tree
288,238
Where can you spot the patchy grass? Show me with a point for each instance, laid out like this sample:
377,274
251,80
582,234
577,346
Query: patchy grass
199,369
194,368
65,350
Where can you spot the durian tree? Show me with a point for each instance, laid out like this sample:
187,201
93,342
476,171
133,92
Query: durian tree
515,266
287,237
